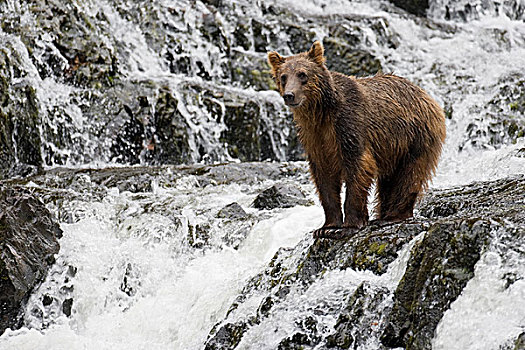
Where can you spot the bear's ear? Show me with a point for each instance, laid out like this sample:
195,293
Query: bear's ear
316,53
275,60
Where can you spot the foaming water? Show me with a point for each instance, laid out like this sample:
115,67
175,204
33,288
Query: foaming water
491,308
138,284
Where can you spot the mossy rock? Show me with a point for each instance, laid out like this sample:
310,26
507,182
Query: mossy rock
20,143
344,58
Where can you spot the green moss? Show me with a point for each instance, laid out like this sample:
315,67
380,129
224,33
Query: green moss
378,248
263,79
363,261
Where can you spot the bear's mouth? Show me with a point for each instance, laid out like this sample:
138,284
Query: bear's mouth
295,104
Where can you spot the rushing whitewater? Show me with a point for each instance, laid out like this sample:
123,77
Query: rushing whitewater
135,279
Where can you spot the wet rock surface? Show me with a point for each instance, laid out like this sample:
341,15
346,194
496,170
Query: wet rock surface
28,242
19,117
456,226
232,211
503,119
280,196
416,7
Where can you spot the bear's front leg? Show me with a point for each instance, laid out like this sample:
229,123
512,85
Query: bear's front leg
328,185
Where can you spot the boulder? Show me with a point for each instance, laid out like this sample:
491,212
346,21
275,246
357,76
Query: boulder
28,243
503,119
232,211
280,196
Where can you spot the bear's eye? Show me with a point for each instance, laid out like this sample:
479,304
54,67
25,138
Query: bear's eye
302,77
283,79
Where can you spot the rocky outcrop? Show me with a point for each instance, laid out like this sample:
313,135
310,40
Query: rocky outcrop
456,225
28,242
20,141
468,11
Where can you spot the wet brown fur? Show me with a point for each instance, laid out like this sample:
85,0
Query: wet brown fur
357,130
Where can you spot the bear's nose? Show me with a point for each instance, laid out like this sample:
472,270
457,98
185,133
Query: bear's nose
288,97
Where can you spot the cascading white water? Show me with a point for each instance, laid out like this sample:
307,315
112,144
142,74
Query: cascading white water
125,260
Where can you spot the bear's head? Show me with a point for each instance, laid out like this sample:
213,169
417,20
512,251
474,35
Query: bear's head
300,78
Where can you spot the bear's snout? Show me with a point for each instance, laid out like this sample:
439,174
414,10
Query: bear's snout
289,98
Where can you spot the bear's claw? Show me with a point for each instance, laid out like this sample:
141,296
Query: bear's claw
334,232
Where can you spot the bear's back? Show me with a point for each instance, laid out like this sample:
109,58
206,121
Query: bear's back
393,115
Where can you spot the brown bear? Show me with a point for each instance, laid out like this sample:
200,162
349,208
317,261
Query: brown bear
357,130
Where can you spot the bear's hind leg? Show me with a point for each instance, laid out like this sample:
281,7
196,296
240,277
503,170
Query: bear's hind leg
398,193
359,178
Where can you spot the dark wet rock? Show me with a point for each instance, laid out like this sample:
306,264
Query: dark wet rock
520,342
456,226
242,130
78,53
353,62
520,153
236,233
443,262
139,179
47,300
517,343
198,235
28,242
360,319
253,128
469,11
67,305
19,116
168,142
416,7
227,337
232,211
440,267
296,269
280,196
343,53
503,197
251,71
295,342
249,173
